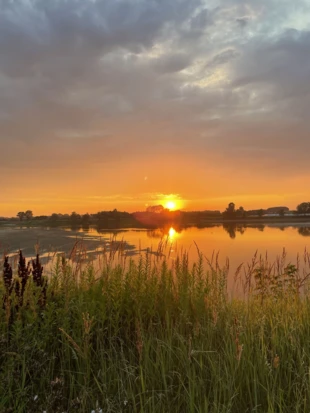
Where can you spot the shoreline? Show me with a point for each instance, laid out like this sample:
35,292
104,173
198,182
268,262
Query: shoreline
126,224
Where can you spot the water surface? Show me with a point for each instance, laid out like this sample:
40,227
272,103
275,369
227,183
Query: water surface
236,242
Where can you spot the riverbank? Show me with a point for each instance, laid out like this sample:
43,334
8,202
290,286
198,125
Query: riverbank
154,222
149,337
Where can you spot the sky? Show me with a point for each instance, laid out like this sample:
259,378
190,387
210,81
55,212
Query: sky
128,103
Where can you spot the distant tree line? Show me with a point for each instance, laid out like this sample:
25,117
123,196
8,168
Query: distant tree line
232,213
74,219
159,213
87,218
25,215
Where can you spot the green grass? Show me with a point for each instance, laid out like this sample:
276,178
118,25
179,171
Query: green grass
148,337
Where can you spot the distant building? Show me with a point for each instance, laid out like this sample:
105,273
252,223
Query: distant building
277,210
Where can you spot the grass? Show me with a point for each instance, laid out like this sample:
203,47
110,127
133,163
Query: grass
144,336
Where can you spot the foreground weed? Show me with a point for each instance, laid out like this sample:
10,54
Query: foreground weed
146,336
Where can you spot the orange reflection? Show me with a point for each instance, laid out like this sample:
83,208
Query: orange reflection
172,233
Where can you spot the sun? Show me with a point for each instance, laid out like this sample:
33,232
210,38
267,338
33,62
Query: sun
171,205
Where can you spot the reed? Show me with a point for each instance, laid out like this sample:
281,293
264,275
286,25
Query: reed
146,336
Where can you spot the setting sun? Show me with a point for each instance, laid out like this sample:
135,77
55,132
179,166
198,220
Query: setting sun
170,205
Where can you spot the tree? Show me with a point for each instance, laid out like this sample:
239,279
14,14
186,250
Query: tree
230,211
303,208
241,212
74,217
54,217
86,219
260,212
28,214
156,209
21,215
281,212
101,215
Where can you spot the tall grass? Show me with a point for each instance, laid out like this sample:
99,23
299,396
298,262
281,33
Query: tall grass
146,336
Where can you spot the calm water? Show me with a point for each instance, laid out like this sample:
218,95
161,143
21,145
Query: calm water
238,243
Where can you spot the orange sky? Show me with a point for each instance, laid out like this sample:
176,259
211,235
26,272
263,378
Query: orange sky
118,105
136,184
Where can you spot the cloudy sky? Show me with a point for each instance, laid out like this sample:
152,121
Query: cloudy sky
122,103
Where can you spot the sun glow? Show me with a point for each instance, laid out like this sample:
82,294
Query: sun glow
170,205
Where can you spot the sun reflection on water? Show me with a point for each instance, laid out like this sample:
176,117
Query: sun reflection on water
172,233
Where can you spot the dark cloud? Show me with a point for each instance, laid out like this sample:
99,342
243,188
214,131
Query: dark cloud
277,72
224,57
242,21
172,63
201,21
55,44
